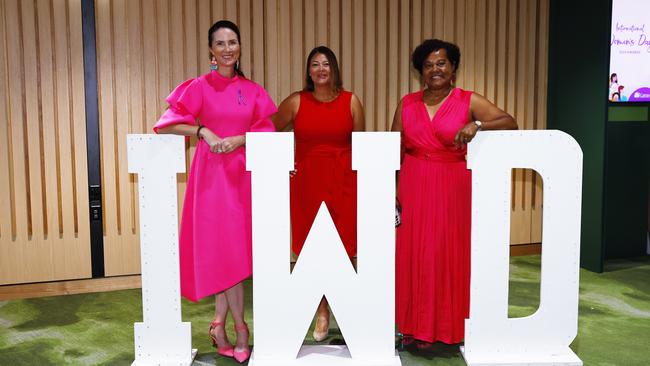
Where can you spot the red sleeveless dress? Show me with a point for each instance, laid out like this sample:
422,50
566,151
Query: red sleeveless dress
323,136
433,242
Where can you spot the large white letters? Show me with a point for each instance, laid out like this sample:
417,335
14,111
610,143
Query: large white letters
285,302
161,339
491,338
363,301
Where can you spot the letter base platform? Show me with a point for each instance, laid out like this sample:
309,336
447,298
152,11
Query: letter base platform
168,361
163,345
567,358
325,355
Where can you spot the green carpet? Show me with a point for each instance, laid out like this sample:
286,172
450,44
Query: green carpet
97,329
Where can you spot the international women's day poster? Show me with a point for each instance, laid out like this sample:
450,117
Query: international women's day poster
629,63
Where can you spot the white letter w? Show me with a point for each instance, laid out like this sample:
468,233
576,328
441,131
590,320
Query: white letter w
363,301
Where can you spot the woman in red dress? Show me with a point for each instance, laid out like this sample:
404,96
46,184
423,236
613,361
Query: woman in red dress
433,242
323,116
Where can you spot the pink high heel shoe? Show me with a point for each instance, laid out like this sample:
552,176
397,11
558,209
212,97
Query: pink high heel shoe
242,356
227,350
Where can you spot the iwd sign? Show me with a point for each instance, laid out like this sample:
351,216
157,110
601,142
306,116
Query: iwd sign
629,79
363,300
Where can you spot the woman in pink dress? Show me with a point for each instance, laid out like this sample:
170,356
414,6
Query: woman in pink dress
215,233
434,192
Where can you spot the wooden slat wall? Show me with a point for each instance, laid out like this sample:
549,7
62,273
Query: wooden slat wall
147,47
44,231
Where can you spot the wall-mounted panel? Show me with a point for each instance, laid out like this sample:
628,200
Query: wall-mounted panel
44,226
146,47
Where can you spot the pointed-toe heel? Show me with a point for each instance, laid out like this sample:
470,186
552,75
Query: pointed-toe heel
320,336
227,350
242,356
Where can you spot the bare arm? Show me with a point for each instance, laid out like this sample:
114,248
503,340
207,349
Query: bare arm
397,127
283,119
397,118
491,117
180,129
358,116
217,144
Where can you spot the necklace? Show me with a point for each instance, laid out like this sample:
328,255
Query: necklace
435,100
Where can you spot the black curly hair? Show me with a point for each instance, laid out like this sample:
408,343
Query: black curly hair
423,51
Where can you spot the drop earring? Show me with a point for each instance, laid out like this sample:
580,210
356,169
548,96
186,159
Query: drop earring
213,64
237,65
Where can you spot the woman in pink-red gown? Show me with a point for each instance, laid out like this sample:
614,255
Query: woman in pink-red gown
434,192
215,234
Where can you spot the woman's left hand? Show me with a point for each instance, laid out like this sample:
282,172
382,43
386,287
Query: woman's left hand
230,144
465,134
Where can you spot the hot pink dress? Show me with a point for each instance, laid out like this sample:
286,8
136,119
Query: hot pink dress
433,242
215,234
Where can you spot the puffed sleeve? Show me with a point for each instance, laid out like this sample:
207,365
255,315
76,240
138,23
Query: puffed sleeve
264,109
184,105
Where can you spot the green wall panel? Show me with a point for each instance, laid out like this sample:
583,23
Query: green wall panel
627,172
627,114
577,102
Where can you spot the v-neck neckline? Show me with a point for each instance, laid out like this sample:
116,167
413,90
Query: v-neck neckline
441,104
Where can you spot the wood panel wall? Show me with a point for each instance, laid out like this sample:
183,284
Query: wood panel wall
146,47
44,231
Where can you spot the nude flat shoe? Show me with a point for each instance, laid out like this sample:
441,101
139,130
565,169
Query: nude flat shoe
320,336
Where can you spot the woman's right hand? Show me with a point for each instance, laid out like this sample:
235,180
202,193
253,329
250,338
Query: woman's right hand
213,141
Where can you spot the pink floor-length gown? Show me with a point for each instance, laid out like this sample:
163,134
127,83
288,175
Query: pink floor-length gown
433,242
215,233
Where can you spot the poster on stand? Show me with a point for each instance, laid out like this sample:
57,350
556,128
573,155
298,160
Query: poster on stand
629,74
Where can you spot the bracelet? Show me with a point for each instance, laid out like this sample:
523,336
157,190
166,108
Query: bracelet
198,135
